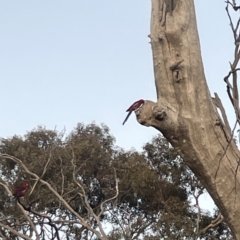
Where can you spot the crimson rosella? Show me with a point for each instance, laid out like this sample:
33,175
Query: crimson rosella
21,190
134,107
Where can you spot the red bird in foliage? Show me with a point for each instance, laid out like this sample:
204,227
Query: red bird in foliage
21,191
134,107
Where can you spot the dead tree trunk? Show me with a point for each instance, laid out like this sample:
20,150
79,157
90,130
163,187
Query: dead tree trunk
185,113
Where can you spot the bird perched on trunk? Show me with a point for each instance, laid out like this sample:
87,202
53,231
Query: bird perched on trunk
21,190
134,107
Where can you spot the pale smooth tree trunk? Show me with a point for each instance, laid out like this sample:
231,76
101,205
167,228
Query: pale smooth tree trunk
185,113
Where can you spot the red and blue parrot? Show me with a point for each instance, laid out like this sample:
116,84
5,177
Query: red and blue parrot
133,107
21,190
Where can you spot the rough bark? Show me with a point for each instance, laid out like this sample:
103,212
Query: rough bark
185,113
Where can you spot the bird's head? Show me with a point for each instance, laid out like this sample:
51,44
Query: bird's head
141,102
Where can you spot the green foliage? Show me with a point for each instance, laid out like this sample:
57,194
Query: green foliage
154,185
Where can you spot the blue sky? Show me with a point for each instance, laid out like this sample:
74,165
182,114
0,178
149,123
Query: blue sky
64,62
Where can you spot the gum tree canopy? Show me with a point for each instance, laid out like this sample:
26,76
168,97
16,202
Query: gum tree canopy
185,113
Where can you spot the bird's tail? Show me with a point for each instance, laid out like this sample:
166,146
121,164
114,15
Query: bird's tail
127,117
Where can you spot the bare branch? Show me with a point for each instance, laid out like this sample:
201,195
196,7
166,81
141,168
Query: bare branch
30,221
232,90
15,232
115,196
84,197
218,103
82,221
234,6
234,30
213,223
196,194
40,215
44,171
26,216
61,166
